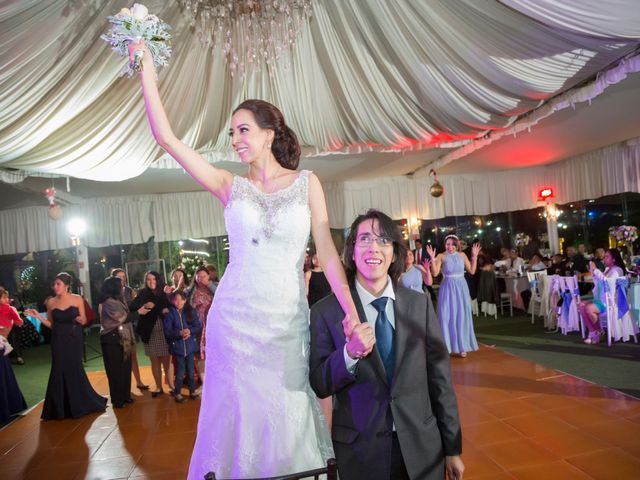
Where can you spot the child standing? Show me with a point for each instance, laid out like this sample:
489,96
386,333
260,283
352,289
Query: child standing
181,328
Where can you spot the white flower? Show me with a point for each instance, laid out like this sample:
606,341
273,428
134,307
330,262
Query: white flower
139,11
125,11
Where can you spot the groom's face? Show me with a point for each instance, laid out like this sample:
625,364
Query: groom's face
371,256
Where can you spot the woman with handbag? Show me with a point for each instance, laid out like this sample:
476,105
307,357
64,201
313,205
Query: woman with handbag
117,340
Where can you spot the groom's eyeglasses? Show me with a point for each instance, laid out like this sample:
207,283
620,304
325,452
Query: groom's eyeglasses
367,240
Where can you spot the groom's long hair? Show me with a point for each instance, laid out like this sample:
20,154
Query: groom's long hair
387,229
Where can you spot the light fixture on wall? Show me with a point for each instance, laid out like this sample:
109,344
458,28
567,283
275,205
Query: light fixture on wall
436,189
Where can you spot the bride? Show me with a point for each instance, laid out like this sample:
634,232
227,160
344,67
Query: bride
258,416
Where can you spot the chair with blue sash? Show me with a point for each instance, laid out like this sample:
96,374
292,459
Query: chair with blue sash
538,287
617,315
568,316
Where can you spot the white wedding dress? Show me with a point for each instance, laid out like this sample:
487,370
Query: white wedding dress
259,416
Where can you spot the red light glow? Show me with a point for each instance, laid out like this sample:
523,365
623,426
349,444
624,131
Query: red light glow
546,192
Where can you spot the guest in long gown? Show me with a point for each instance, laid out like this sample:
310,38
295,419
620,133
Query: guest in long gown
11,399
117,340
454,300
151,331
129,295
69,393
317,285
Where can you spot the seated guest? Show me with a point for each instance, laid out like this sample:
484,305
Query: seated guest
582,250
574,264
590,310
11,399
415,275
598,259
517,262
504,263
536,264
556,263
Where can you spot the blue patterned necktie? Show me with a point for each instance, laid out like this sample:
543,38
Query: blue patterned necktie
384,336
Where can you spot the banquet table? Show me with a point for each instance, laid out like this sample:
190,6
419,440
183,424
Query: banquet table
514,286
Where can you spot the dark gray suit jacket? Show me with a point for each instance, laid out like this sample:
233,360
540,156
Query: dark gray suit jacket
420,400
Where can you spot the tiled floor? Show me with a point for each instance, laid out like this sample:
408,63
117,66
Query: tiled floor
520,421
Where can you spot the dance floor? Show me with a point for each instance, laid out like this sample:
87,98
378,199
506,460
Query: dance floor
520,421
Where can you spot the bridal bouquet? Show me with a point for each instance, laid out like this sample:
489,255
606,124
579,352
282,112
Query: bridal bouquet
130,25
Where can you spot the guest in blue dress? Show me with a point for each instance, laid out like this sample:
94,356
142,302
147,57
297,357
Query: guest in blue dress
454,300
415,276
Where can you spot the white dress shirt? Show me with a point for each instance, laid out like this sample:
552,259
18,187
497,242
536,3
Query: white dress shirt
371,314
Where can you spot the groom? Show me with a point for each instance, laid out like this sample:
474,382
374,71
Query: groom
395,414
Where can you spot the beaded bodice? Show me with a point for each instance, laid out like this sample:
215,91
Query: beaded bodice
268,230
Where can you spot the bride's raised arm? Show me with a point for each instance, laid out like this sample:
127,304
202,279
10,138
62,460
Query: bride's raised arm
216,180
327,254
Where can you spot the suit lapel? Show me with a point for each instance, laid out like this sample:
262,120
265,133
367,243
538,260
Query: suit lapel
401,313
374,358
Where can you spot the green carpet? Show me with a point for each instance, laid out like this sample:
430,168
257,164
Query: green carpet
617,367
34,374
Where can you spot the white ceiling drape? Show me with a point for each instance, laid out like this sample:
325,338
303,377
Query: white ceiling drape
376,74
134,219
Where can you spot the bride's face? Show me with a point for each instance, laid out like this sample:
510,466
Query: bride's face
249,140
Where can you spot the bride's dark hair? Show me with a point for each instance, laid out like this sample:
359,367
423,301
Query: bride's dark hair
285,146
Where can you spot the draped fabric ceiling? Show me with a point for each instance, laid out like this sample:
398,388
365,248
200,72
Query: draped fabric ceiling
365,75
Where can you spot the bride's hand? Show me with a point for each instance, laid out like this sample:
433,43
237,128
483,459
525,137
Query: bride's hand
348,324
139,45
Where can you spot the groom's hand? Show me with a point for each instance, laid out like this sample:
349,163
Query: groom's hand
362,341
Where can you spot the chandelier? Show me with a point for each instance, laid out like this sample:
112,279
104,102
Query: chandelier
250,33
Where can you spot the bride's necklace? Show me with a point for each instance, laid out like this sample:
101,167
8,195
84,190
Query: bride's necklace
272,182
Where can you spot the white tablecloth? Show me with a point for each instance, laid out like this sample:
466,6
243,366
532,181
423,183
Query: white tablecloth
634,301
514,286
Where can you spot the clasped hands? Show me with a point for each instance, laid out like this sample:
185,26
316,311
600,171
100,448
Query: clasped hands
360,338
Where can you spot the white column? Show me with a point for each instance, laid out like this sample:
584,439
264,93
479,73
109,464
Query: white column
552,227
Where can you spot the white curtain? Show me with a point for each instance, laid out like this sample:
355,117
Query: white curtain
376,74
123,220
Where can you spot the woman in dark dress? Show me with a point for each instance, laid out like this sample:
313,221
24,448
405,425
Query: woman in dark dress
69,393
150,328
317,285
